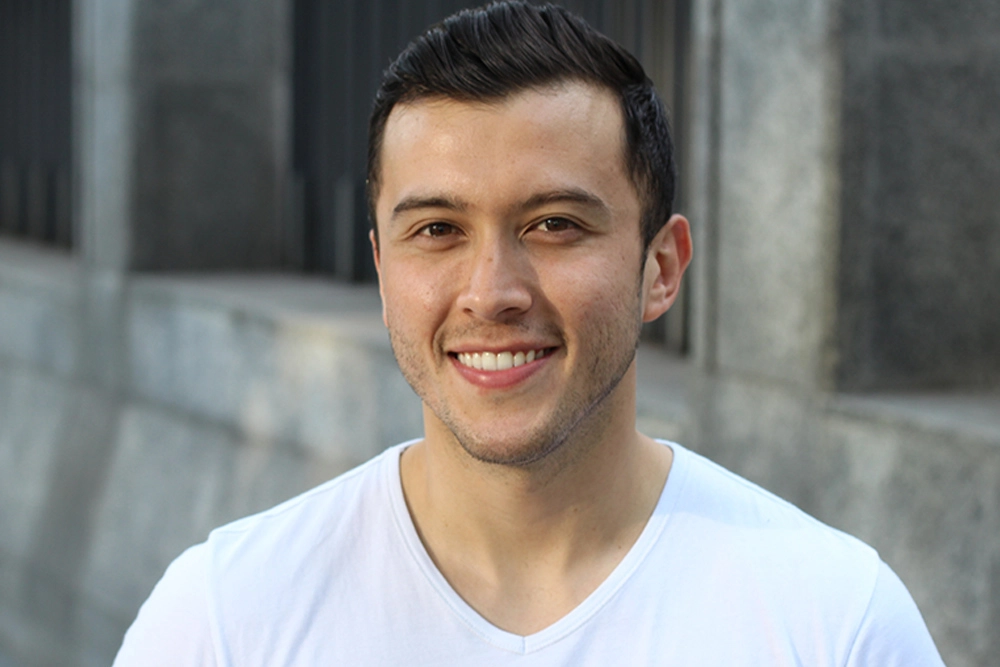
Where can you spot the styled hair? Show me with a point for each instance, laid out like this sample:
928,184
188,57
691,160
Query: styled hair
487,54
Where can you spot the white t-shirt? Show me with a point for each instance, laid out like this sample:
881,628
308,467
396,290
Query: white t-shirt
724,573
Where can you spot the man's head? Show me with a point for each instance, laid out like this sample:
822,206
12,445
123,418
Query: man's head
509,230
485,55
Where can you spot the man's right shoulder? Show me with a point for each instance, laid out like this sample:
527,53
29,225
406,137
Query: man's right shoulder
301,523
266,566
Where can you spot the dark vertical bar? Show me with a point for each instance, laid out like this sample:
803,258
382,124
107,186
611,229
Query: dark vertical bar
328,41
333,50
6,80
23,206
35,200
344,66
382,26
62,208
13,176
682,82
62,131
303,102
317,188
33,207
8,185
10,196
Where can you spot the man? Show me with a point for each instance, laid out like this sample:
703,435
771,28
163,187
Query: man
521,183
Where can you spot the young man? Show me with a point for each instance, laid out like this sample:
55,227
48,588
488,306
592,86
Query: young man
521,182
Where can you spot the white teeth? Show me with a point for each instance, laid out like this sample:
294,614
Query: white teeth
489,361
498,361
505,360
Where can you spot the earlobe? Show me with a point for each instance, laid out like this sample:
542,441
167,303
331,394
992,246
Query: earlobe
666,260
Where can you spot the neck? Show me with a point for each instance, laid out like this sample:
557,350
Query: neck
560,524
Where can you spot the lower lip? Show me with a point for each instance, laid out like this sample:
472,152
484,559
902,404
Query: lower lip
500,379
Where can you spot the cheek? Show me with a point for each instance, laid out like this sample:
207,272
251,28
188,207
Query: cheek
591,293
412,300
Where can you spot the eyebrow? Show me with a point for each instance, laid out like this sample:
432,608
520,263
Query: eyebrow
562,195
435,201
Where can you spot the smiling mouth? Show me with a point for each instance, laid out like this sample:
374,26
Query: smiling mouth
499,361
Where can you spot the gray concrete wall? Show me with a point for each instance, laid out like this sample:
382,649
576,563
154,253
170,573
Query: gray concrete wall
182,132
920,260
777,213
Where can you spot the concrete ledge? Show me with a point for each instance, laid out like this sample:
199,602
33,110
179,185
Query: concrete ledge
953,415
301,361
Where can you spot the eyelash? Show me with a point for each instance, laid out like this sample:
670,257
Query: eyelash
565,223
443,227
436,230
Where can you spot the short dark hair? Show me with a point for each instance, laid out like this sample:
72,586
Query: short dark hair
487,54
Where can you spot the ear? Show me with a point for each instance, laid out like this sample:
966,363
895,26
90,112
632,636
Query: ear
378,270
666,260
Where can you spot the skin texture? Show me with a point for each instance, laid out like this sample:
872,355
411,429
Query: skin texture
514,226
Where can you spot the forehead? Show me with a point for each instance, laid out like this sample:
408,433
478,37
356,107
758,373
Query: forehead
567,96
569,135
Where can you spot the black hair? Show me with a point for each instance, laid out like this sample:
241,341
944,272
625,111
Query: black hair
487,54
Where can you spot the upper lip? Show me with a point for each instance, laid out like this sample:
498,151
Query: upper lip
493,347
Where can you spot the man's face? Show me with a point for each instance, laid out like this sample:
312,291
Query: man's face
510,264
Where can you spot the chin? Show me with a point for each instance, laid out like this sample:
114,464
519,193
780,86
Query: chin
510,452
515,445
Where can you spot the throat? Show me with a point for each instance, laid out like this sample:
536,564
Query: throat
523,561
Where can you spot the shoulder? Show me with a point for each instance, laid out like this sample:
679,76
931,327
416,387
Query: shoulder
723,504
177,607
795,576
268,561
311,517
805,584
892,631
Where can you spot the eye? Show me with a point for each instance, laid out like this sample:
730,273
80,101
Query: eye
552,225
437,230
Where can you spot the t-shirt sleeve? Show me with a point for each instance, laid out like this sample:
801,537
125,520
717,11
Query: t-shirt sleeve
173,627
892,632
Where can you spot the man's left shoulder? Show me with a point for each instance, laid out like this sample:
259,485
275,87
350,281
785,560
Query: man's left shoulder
785,575
768,538
721,496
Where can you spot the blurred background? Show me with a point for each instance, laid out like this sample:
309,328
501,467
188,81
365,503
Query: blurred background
189,329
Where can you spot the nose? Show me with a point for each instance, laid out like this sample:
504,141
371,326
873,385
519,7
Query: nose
498,281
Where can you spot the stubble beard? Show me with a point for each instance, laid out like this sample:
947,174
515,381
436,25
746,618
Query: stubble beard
574,418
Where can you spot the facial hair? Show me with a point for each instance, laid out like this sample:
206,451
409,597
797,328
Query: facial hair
575,415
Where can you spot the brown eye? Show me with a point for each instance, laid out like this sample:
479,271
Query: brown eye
437,229
555,225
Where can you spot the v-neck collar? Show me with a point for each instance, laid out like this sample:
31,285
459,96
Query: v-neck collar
582,612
